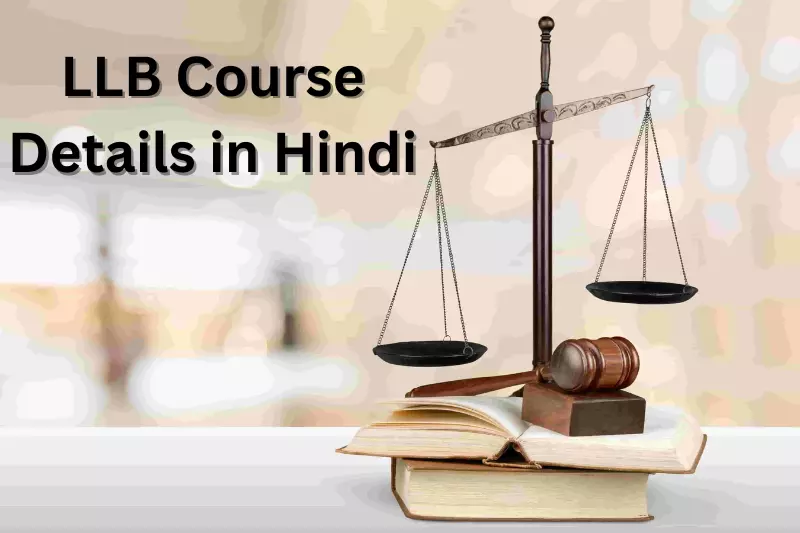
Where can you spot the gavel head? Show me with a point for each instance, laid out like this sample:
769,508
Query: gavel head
582,365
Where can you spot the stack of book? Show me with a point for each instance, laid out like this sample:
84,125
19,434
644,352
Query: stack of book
474,458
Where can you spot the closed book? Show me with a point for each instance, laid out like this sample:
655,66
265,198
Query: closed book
448,490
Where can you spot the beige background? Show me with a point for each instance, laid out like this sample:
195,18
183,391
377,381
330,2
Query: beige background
193,257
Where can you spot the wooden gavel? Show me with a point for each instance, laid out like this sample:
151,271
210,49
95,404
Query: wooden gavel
577,365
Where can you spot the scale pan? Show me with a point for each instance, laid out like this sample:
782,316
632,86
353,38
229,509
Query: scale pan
429,353
641,292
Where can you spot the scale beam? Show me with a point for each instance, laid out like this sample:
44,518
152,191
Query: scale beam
528,119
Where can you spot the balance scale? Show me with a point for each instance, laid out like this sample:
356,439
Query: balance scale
580,382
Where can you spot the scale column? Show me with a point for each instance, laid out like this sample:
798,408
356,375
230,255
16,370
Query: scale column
542,252
542,209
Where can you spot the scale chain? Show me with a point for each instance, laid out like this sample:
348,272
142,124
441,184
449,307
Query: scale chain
408,252
441,220
452,260
669,206
647,128
439,207
621,198
647,117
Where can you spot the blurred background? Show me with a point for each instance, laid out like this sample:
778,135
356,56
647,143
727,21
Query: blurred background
255,299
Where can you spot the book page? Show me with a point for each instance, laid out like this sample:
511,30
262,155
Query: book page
671,439
438,418
505,413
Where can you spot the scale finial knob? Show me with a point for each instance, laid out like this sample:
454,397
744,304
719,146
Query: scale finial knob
545,114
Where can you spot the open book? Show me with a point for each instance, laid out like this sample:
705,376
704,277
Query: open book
486,428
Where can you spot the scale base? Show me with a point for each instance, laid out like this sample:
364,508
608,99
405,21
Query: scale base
581,415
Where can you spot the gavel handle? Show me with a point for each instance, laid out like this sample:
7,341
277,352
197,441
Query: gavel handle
473,386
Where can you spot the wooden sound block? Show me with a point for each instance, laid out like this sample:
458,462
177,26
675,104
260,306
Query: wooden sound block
583,414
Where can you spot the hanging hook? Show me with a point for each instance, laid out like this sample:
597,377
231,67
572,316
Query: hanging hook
646,103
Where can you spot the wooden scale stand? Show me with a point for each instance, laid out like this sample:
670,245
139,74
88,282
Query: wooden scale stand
576,389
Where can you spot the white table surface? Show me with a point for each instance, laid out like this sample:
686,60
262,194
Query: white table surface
280,479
